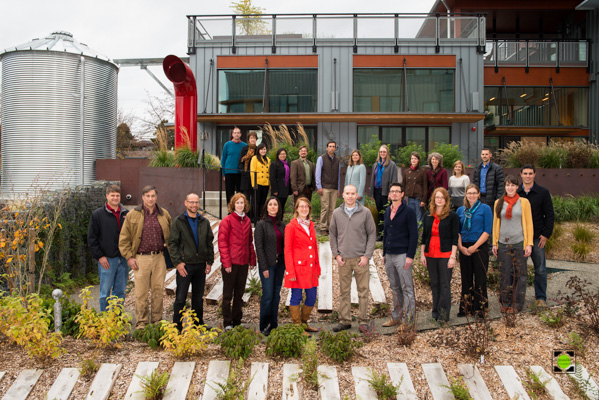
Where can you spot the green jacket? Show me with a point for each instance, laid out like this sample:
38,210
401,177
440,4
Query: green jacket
182,245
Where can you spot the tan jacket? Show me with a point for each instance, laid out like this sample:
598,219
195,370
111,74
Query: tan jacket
527,226
130,237
298,175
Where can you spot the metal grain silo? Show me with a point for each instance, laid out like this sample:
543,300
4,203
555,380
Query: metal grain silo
59,113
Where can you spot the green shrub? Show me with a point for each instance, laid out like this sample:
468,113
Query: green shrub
286,340
450,154
553,156
581,208
70,309
382,386
370,150
150,334
339,346
310,363
292,152
553,319
577,343
594,162
458,388
88,367
403,154
581,250
536,388
254,288
153,386
186,158
239,342
236,385
583,234
163,158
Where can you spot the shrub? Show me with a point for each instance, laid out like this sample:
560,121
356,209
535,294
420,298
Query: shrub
254,287
450,154
150,334
458,388
581,250
581,208
186,158
594,162
583,291
553,156
235,387
70,309
310,363
579,155
163,158
406,332
286,340
370,150
403,154
382,386
153,386
583,234
577,343
193,338
239,342
88,367
553,319
553,240
339,346
516,154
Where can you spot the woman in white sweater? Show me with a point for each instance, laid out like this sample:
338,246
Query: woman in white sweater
457,184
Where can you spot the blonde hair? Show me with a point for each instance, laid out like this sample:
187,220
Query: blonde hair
459,162
234,199
378,157
296,206
351,160
432,207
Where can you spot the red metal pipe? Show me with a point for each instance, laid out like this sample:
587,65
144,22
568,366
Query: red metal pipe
186,100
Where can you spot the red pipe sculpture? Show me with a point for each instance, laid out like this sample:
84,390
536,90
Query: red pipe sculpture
186,100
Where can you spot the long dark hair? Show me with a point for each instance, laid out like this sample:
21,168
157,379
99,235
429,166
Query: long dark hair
264,159
279,216
277,161
508,179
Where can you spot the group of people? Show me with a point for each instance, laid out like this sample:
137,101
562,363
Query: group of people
516,220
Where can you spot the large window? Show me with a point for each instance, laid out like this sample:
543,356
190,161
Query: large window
288,90
384,90
399,136
536,106
224,135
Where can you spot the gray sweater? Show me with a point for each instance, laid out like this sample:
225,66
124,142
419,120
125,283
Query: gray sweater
354,236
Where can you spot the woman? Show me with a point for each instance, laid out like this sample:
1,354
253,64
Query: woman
356,174
301,262
270,235
437,175
244,166
440,230
259,167
280,183
415,183
457,184
236,254
476,225
384,173
512,244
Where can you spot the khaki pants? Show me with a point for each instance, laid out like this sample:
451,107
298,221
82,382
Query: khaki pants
328,201
149,276
362,275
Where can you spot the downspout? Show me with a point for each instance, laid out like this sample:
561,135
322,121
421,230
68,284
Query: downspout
186,100
448,21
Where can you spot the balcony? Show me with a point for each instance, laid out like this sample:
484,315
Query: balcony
536,53
314,30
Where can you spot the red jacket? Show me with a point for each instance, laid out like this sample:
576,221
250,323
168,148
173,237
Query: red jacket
440,180
235,242
301,256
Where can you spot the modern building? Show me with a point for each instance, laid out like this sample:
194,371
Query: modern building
468,73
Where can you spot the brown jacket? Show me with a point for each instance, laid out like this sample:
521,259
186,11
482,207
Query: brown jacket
130,237
415,183
298,175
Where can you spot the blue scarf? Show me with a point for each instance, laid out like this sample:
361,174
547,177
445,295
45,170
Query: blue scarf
379,175
468,213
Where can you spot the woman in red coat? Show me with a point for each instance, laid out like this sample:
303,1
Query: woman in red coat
236,247
301,262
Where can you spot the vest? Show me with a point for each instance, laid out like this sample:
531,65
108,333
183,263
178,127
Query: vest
329,177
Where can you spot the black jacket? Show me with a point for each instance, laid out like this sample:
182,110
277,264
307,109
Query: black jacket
277,180
449,229
182,245
103,232
266,243
542,209
494,184
401,233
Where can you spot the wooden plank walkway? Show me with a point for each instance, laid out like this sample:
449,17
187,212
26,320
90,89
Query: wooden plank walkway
23,385
328,382
258,389
511,381
179,381
218,372
363,389
376,288
354,290
103,382
64,384
252,274
585,382
436,379
290,378
216,292
474,381
134,390
398,372
551,384
325,282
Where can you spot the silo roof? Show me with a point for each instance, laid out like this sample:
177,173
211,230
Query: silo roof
60,42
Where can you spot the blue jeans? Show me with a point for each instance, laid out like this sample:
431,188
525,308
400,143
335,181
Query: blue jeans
113,279
414,204
538,259
271,295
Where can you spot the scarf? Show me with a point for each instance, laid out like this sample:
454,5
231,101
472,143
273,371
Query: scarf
510,203
248,156
413,168
286,165
305,222
379,175
468,213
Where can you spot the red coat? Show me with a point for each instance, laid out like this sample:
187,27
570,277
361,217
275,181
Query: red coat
301,256
235,242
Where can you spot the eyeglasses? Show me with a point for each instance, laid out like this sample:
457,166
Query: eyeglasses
395,191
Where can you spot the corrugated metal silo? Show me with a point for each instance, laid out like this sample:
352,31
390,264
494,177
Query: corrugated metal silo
59,113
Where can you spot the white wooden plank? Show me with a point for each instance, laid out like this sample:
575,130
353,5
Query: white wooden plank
474,381
551,384
171,288
253,273
2,373
288,298
328,382
363,389
218,372
212,223
103,382
216,292
178,383
585,382
23,385
511,381
354,290
290,377
215,267
64,384
215,248
400,376
215,233
325,281
259,385
143,369
376,288
437,381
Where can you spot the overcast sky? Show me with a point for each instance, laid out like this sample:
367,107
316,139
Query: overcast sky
150,28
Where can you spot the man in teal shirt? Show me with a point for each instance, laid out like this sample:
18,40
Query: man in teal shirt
229,161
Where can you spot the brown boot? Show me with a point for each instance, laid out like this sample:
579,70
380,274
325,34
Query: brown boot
306,311
296,316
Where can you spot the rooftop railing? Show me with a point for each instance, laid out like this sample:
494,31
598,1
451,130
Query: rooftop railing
313,30
537,53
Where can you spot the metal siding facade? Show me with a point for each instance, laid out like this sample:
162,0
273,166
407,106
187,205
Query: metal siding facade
593,30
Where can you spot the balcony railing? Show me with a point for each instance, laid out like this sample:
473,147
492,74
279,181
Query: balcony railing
537,53
313,30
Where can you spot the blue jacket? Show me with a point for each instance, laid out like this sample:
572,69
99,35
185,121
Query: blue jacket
401,233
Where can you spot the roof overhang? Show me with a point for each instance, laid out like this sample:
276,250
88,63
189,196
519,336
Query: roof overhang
536,131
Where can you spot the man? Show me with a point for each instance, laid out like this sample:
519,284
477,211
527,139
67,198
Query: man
303,179
489,178
400,239
229,161
327,174
142,242
103,240
542,220
191,250
353,237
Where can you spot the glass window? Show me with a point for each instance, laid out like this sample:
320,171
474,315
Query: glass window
492,105
393,136
240,91
365,134
416,135
438,135
377,90
430,90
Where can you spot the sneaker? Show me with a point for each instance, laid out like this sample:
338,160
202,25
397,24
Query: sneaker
341,327
540,304
228,328
391,322
364,328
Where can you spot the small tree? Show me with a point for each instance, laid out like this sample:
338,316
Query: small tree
251,23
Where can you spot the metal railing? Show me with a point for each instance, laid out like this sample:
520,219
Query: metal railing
305,30
537,53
